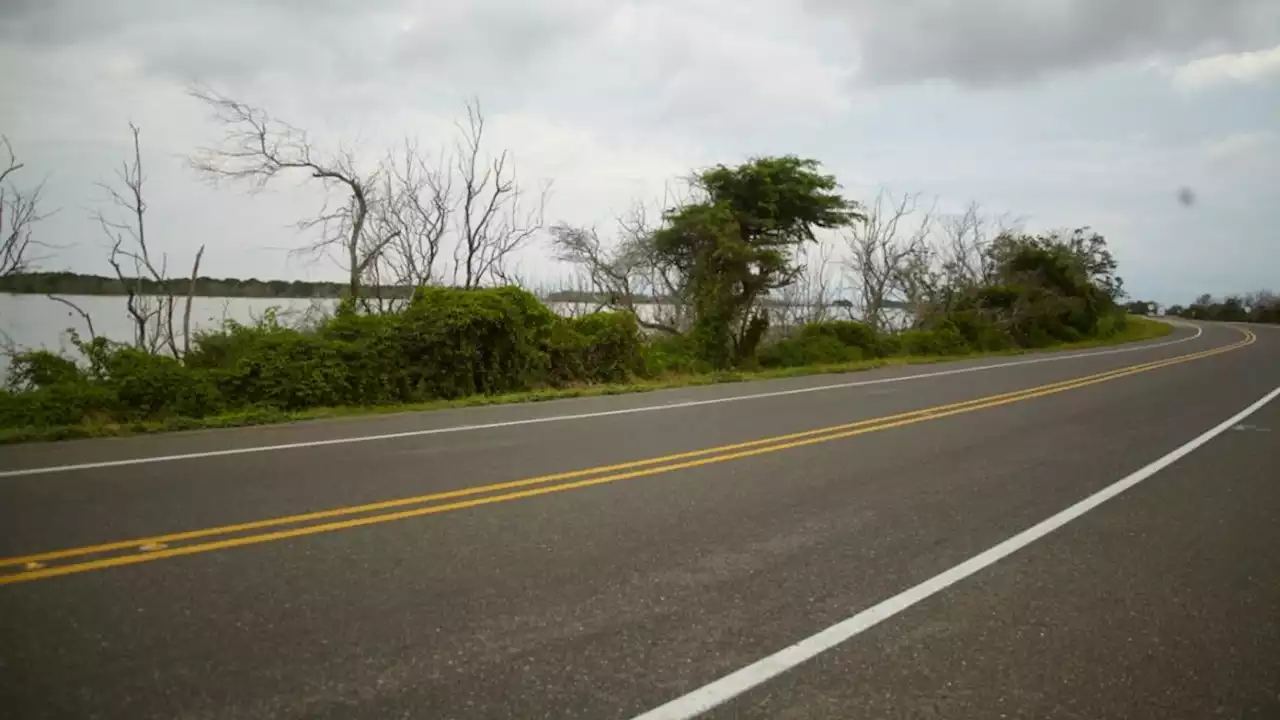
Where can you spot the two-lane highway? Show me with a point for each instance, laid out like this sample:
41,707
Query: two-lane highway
1058,535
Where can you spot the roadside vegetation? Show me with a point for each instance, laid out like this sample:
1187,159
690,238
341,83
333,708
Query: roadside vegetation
730,281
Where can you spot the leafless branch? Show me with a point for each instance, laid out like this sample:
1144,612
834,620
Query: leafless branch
881,250
415,203
256,148
191,294
19,211
88,321
630,274
495,217
134,261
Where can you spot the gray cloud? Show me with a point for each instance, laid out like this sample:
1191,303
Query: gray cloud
983,42
241,41
612,98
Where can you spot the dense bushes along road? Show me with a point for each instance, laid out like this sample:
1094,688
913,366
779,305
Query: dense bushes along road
446,344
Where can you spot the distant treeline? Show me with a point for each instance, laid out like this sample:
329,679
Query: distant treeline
1262,306
68,283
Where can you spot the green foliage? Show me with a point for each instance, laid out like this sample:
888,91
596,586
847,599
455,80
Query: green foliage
723,255
35,369
64,403
464,342
808,349
1039,290
739,243
852,334
945,340
1111,324
675,355
845,341
447,343
609,346
146,385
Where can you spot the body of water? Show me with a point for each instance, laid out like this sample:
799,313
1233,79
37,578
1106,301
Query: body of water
35,321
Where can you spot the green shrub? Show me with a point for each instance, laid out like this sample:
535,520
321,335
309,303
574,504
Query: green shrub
369,348
57,404
610,349
35,369
945,340
672,355
286,369
808,349
980,332
1111,324
466,342
146,385
848,333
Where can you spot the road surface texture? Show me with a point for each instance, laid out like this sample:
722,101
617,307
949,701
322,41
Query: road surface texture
1081,535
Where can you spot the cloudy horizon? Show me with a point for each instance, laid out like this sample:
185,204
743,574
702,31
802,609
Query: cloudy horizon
1063,112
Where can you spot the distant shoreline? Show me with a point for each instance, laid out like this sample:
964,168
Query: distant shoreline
67,283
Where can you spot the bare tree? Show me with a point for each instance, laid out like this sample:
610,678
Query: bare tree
810,298
952,259
629,274
882,248
967,237
495,217
88,320
19,210
151,309
256,148
415,203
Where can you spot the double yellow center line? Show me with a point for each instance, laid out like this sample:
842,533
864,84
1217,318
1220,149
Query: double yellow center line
129,552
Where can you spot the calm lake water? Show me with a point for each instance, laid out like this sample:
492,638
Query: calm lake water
35,321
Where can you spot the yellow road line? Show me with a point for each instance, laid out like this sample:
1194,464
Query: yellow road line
137,543
725,453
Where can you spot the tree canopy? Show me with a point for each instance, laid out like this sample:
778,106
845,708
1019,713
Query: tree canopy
738,241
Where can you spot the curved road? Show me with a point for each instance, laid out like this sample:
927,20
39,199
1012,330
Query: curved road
1082,535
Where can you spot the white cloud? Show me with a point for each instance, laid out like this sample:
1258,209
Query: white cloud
1003,42
613,99
1229,68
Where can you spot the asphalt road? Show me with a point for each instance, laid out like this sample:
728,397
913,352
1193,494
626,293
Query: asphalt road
611,557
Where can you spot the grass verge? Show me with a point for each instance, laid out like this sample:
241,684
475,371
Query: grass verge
1137,329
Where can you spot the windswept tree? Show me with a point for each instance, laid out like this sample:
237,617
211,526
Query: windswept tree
738,240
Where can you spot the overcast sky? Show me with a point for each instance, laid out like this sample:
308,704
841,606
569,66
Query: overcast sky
1065,112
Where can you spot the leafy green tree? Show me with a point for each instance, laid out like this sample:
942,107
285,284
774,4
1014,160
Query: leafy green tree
738,242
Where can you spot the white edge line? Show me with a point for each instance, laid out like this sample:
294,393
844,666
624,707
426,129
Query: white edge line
730,686
24,472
